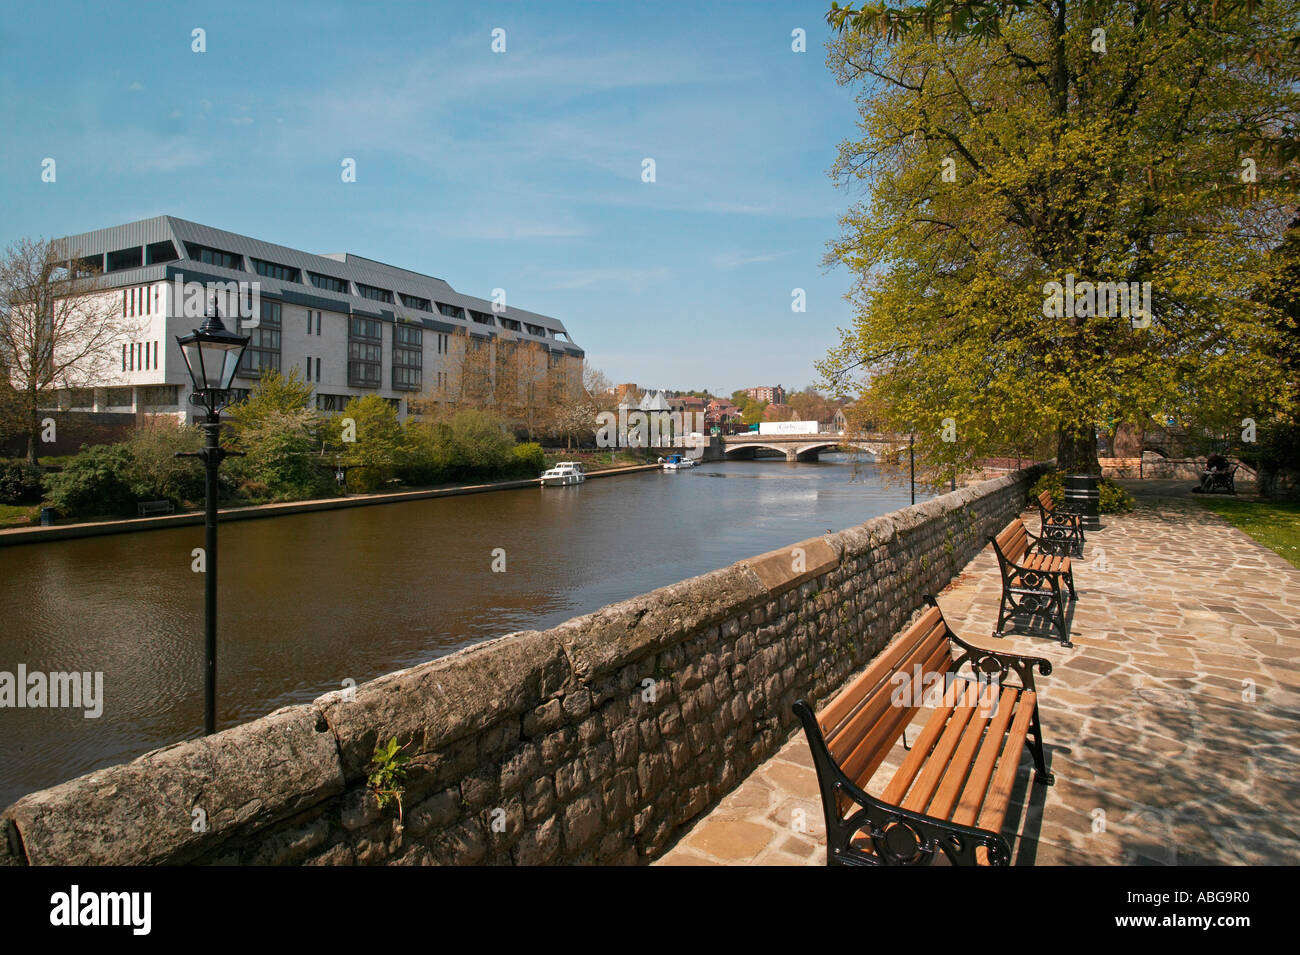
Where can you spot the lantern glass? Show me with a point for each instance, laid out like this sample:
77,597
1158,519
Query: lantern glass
212,356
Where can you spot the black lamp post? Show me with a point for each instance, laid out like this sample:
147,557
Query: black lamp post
911,463
212,355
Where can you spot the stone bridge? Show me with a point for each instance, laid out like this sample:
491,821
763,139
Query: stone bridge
807,447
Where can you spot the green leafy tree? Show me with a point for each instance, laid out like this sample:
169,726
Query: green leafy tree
274,393
280,431
1001,159
372,444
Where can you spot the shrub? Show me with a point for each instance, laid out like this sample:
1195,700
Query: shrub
1111,498
480,446
471,444
156,473
282,458
20,483
96,482
528,459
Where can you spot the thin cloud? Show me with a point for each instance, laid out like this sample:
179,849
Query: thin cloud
735,260
634,280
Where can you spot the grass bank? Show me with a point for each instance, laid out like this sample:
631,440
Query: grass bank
1275,524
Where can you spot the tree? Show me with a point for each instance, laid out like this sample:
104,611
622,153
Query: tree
811,405
280,431
372,441
59,330
275,393
1006,158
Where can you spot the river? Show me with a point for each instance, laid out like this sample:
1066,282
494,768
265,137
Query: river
307,601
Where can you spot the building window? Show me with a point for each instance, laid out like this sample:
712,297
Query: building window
365,352
225,260
444,343
536,330
331,402
329,283
378,294
309,367
117,397
422,304
318,369
162,251
451,311
408,357
263,349
511,324
125,259
271,270
160,396
483,318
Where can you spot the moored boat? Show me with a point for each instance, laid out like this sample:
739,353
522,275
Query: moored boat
677,462
564,474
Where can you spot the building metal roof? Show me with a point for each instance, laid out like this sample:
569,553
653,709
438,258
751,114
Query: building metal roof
345,266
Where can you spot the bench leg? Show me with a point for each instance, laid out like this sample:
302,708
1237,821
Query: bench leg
1059,604
1041,775
1069,582
1005,609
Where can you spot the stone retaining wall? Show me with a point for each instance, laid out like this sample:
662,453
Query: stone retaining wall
597,741
1154,467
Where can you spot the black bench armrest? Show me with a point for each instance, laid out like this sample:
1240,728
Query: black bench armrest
898,836
976,657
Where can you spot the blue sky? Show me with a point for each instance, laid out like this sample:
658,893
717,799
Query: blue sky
520,170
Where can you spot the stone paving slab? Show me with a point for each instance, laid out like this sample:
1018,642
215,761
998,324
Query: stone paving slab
1173,725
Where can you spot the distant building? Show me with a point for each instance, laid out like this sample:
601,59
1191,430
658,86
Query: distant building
627,391
720,413
779,412
688,404
351,325
772,394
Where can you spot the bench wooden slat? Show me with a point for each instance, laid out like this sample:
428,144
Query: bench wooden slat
959,766
875,707
916,647
919,753
999,794
876,743
851,696
977,783
919,796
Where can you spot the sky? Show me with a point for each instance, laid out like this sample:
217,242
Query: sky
522,170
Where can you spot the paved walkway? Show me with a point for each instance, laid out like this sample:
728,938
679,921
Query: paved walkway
1173,725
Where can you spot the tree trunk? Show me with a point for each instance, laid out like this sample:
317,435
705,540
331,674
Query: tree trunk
33,433
1076,449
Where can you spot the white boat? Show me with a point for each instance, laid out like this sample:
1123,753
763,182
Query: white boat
563,474
677,462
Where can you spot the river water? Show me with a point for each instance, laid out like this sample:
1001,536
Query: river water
307,601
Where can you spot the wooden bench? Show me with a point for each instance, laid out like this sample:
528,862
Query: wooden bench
1221,480
951,794
1031,578
1060,529
149,508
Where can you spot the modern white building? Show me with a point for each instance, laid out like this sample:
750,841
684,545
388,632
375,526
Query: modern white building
351,325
